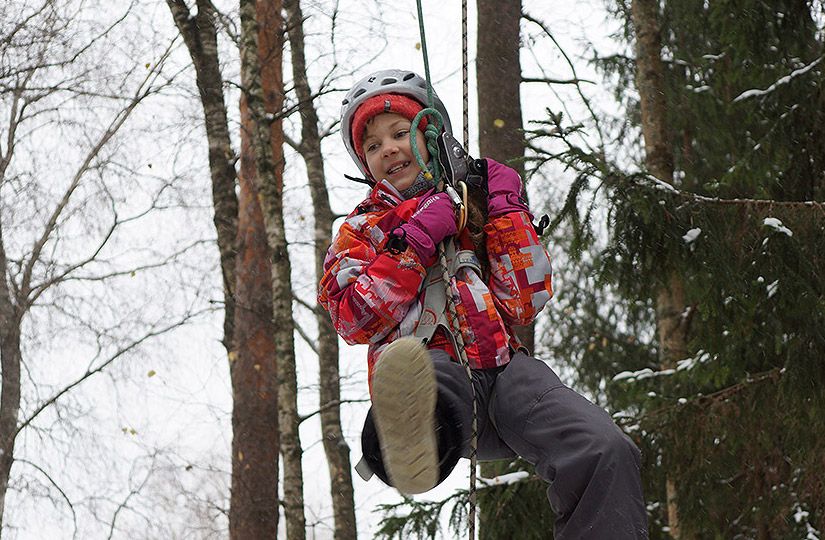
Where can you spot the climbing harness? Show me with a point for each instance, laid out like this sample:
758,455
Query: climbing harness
434,312
445,151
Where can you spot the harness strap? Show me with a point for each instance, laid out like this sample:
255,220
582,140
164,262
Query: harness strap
434,306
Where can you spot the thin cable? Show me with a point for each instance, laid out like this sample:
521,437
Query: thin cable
465,77
452,320
465,124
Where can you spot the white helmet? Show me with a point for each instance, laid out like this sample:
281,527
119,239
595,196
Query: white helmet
387,81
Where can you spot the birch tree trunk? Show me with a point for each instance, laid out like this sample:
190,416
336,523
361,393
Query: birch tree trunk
248,331
262,82
335,445
201,40
671,324
10,359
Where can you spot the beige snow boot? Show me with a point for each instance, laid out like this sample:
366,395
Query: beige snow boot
404,396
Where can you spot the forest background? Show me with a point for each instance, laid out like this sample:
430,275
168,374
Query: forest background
164,167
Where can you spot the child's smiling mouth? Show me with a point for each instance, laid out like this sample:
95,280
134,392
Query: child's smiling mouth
398,167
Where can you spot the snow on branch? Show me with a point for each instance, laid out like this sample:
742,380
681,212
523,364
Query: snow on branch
650,181
777,225
784,80
505,479
702,357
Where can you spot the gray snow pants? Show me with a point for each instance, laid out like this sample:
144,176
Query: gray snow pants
592,468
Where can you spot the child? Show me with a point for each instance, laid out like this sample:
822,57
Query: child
381,286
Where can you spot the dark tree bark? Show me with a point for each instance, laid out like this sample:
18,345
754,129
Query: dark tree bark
671,324
498,72
335,445
650,83
262,41
200,37
255,442
248,329
10,359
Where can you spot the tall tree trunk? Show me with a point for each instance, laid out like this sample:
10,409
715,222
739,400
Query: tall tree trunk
670,299
10,359
335,445
249,333
254,367
262,81
498,73
650,75
201,40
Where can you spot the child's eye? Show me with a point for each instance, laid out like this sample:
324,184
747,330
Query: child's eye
402,133
372,147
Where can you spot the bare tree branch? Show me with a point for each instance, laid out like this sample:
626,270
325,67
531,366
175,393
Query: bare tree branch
144,89
330,405
57,487
125,502
583,97
122,351
305,336
547,80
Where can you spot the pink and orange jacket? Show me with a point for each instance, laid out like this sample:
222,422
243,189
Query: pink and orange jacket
374,296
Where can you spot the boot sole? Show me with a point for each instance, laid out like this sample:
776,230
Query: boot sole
403,401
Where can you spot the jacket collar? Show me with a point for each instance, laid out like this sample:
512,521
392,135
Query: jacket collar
385,193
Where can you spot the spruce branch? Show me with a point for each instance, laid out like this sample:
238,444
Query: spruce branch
701,400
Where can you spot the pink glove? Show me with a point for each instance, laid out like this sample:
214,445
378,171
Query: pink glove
432,222
504,188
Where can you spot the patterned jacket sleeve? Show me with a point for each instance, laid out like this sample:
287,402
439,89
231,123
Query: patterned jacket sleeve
521,273
366,291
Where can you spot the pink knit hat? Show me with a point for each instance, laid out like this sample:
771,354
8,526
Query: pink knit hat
382,103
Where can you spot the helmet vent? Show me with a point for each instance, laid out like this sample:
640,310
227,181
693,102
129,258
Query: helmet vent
359,92
345,102
408,76
388,80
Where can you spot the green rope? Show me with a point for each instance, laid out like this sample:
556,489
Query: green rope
431,133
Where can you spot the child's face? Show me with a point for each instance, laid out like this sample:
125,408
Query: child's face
387,150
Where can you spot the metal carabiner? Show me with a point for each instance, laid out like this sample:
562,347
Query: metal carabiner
460,201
